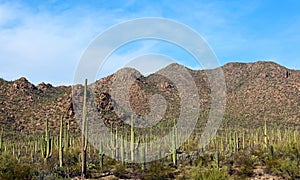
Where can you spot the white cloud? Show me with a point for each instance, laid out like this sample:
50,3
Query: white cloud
40,44
125,54
150,63
45,44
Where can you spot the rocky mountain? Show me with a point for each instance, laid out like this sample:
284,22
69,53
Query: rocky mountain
24,106
255,92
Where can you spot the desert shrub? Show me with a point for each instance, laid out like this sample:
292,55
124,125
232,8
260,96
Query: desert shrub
208,173
71,166
204,160
259,154
11,169
158,170
290,169
245,162
284,167
120,172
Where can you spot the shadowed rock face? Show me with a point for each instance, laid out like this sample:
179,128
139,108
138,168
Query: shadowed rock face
255,92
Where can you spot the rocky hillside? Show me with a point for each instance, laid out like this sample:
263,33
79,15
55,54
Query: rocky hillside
25,107
263,90
255,92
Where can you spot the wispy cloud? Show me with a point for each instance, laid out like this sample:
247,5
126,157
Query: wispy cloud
44,40
41,45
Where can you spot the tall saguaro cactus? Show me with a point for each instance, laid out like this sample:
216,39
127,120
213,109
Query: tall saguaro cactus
122,151
66,135
217,159
1,140
84,133
101,155
46,146
133,149
265,135
132,138
60,146
174,145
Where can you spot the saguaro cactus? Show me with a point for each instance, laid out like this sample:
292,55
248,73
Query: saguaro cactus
18,155
113,142
132,139
60,145
174,140
46,145
133,142
143,158
66,135
1,140
217,159
122,151
271,152
84,133
101,155
287,74
265,135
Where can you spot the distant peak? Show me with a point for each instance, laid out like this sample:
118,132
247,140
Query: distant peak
22,79
257,63
44,86
128,71
23,83
171,66
235,64
174,65
268,65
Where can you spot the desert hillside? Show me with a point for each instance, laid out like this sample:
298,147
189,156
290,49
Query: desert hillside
255,92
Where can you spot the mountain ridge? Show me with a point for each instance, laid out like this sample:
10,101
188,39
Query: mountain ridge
255,92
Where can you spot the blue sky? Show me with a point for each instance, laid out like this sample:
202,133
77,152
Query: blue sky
44,40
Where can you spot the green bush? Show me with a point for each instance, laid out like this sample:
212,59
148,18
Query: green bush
158,170
284,167
245,162
120,172
11,169
198,173
290,169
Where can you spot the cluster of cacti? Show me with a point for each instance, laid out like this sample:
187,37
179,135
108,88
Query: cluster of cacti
227,141
46,146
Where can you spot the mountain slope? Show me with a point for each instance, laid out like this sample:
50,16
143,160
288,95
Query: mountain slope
255,92
263,90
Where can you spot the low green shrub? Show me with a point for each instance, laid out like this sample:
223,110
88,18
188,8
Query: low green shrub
199,173
158,170
284,167
11,169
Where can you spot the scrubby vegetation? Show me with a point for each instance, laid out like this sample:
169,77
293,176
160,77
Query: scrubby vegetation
232,154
